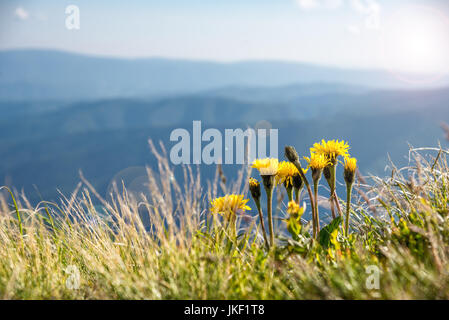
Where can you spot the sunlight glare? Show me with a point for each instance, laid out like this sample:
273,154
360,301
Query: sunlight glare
416,40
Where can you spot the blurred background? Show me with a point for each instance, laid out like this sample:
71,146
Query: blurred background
85,84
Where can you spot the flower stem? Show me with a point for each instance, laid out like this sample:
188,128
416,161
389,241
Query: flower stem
297,194
332,182
348,207
289,189
268,183
331,200
270,217
309,190
317,217
337,204
262,224
231,228
316,176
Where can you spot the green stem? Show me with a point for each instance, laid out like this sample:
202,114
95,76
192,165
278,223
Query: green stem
331,201
306,182
348,207
337,204
297,194
269,210
269,184
230,230
289,192
262,224
332,182
317,217
234,227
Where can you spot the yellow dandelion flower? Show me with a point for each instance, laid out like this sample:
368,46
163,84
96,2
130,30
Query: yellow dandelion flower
331,149
293,208
286,172
267,166
229,205
317,161
350,164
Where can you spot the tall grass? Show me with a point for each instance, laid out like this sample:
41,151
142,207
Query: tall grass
399,224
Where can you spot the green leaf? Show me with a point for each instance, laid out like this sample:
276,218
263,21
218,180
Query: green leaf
325,233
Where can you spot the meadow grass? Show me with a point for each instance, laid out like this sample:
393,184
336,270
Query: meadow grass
75,250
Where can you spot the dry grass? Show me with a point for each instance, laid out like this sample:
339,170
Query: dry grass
400,224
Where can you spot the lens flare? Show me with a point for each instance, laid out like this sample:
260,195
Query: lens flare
415,44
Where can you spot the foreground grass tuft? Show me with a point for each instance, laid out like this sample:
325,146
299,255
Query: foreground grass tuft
397,246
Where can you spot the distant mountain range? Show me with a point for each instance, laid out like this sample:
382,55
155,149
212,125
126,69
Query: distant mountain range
62,112
50,75
48,147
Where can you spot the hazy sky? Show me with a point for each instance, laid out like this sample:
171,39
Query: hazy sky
410,35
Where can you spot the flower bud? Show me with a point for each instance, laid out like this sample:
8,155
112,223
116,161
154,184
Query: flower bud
291,154
349,176
350,167
254,188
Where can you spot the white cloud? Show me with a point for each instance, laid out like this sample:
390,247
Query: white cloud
313,4
369,8
21,13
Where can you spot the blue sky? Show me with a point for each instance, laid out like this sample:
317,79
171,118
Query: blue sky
345,33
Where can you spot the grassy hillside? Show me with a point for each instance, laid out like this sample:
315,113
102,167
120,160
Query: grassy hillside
397,247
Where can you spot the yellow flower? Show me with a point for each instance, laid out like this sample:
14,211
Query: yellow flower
253,182
295,212
349,172
267,166
229,205
286,172
293,208
317,161
350,164
331,149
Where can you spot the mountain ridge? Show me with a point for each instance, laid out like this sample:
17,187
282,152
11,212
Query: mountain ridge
46,75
